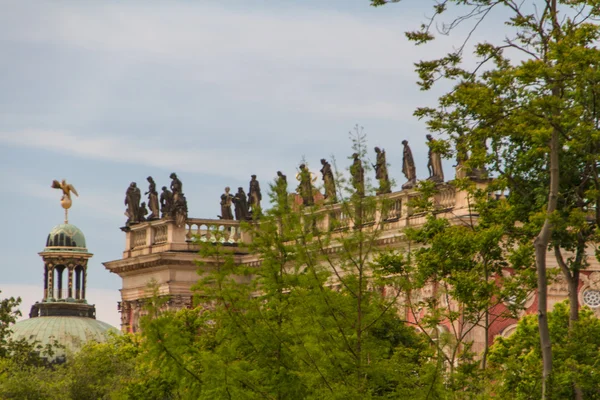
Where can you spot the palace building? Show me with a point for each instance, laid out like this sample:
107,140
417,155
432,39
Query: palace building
163,253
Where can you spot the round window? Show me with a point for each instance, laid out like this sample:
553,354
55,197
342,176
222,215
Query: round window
591,298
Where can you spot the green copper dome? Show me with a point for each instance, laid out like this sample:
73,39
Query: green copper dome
71,332
66,237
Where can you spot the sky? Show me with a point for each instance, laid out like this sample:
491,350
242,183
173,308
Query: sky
103,93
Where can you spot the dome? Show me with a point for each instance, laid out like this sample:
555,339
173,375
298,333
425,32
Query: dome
65,237
71,332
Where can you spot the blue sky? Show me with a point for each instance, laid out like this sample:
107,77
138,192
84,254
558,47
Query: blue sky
103,93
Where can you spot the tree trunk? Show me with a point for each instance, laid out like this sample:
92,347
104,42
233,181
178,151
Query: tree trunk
541,245
572,278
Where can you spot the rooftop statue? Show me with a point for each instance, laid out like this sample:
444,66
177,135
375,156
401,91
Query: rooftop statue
254,197
462,160
281,188
381,172
408,167
329,182
132,201
176,186
142,212
166,202
226,200
152,199
358,175
241,205
434,165
180,210
65,200
305,188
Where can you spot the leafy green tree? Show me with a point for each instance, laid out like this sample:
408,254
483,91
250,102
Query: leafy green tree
516,361
308,320
24,372
457,281
527,112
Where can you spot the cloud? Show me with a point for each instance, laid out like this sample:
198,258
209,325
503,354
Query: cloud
294,60
129,150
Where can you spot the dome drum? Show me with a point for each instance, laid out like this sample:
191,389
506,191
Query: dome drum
62,310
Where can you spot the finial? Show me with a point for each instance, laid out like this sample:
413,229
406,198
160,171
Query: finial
65,200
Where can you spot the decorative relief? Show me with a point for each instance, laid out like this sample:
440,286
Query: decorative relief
132,310
559,287
592,280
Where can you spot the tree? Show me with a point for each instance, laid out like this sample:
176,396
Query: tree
524,117
515,362
311,321
23,366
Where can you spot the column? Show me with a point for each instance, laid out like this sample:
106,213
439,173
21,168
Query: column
59,283
50,293
83,281
45,281
70,276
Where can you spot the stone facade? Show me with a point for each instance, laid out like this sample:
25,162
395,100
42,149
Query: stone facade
164,255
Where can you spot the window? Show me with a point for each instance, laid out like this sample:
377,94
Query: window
591,298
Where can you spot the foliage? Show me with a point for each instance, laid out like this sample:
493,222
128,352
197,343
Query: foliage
515,362
307,322
527,113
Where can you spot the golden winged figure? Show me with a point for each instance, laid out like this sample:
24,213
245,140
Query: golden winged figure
67,188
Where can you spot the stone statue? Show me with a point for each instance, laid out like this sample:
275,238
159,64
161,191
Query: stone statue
434,165
358,175
166,202
462,158
142,212
254,197
152,199
132,201
180,210
176,186
328,181
282,179
305,188
226,199
408,167
381,172
65,200
241,205
281,188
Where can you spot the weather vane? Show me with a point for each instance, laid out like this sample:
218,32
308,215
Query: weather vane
65,201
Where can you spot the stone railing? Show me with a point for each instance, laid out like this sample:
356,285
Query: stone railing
214,231
387,212
164,235
392,211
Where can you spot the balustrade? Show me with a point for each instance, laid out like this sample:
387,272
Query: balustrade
213,231
160,234
139,238
446,198
392,211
